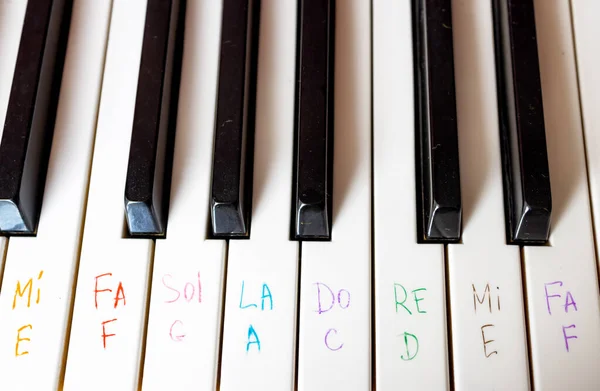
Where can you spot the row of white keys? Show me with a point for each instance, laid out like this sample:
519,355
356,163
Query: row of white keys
259,331
335,283
12,14
35,304
184,322
487,315
561,279
110,300
410,311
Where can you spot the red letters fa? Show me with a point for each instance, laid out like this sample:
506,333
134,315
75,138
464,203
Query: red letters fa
119,295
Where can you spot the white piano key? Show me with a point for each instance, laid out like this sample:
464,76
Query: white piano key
585,30
561,279
410,310
488,331
259,339
335,283
110,300
184,325
33,332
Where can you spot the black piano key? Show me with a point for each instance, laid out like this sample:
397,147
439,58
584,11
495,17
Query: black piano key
439,207
528,200
312,191
31,111
231,192
147,187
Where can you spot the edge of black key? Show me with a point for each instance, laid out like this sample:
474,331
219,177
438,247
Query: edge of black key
527,198
231,195
438,193
147,188
24,158
319,213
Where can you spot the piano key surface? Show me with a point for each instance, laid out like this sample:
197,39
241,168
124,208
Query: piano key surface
561,279
147,186
484,273
585,30
31,112
411,343
438,185
334,349
185,312
314,121
35,301
109,314
11,25
197,334
527,193
231,191
259,330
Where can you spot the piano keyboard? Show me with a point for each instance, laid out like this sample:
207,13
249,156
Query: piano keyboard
299,195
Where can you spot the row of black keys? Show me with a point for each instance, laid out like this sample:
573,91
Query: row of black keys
29,122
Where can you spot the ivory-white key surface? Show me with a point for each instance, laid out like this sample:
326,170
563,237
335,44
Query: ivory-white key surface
335,283
585,29
184,325
411,347
489,340
35,304
109,314
12,14
561,279
259,339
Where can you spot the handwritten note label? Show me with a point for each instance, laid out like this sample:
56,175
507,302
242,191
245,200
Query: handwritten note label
326,297
487,302
328,300
104,280
21,291
561,297
191,290
411,346
265,297
410,304
187,290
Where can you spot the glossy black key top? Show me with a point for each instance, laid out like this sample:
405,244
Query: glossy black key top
30,115
439,207
149,168
312,191
527,197
231,192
